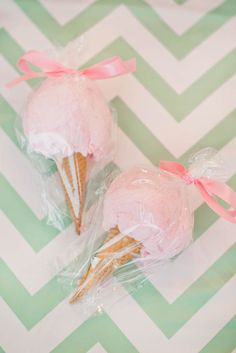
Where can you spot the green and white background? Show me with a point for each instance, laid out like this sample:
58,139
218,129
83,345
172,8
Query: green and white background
181,98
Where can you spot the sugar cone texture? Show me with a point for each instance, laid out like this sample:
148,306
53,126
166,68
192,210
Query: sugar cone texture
73,173
109,260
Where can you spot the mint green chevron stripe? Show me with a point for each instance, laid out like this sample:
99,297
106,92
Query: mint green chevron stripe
58,34
29,309
12,51
36,232
150,146
180,2
7,119
1,350
169,317
205,217
180,46
9,47
97,329
224,341
179,106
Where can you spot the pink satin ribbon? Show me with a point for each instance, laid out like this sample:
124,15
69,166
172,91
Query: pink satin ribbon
209,189
112,67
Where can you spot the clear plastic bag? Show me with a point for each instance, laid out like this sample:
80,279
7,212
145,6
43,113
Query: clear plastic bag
67,126
141,220
55,175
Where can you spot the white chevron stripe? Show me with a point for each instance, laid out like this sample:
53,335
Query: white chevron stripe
20,173
134,157
181,18
35,270
129,318
209,113
190,12
179,74
17,96
209,316
67,9
40,339
198,123
173,279
19,26
136,325
138,328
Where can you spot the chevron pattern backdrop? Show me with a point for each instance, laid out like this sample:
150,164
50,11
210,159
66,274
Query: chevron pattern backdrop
181,98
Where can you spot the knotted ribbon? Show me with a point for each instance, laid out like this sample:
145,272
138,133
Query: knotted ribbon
209,189
111,67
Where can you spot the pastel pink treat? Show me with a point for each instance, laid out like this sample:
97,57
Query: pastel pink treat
150,206
68,119
146,213
148,219
68,114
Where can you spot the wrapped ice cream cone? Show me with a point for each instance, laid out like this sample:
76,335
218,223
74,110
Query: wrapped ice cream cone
149,221
75,129
152,209
67,118
73,173
115,252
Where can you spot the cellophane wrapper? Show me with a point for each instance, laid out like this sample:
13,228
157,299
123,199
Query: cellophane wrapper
53,201
162,239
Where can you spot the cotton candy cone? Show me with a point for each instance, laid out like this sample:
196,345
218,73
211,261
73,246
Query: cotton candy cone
107,261
73,172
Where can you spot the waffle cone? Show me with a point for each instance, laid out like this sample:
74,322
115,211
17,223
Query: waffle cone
109,260
73,173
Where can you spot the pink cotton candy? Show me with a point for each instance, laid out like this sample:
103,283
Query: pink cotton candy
152,207
68,114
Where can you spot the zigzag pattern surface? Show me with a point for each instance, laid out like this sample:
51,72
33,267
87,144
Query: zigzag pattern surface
180,99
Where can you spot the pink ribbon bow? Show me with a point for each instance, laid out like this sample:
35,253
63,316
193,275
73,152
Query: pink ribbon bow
209,189
112,67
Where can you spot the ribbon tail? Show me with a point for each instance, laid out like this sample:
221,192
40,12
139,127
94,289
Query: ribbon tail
229,215
26,78
109,68
18,80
